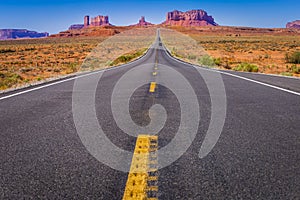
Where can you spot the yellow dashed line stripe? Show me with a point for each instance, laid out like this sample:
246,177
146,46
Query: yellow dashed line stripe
154,73
140,184
152,87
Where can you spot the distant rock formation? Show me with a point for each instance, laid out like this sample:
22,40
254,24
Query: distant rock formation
91,22
143,23
6,34
99,21
189,18
76,26
294,24
86,21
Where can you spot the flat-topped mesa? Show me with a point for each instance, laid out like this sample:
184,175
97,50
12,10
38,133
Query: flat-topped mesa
6,34
189,18
294,24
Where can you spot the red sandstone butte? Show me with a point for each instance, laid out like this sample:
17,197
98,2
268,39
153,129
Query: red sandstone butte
143,23
189,18
91,22
99,21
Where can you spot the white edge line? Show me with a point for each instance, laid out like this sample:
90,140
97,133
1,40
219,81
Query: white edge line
263,74
47,85
236,76
261,83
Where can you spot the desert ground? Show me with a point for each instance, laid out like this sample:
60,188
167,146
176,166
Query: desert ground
272,51
28,61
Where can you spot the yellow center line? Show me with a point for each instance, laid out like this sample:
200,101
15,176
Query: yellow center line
154,73
152,87
141,183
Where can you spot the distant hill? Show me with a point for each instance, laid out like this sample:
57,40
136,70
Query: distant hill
6,34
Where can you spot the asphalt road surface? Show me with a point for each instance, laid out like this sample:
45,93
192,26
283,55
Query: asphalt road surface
257,155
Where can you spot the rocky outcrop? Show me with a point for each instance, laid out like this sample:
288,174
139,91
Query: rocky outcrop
189,18
99,21
6,34
86,21
143,23
91,22
294,24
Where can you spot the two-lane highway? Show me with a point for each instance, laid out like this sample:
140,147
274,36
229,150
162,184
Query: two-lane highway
257,155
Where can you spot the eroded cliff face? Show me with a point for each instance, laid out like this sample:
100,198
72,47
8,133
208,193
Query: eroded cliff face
6,34
294,24
189,18
99,21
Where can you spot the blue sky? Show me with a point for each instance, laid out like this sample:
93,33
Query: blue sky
57,15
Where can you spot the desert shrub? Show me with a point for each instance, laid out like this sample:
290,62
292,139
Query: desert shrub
128,57
30,49
246,67
206,60
295,69
72,67
286,74
7,51
227,65
217,61
9,79
293,58
192,57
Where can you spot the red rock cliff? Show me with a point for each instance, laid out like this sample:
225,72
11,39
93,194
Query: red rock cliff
189,18
99,21
91,22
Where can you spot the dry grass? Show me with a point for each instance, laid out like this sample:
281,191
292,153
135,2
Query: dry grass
126,44
128,57
264,48
182,46
267,52
23,62
26,61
